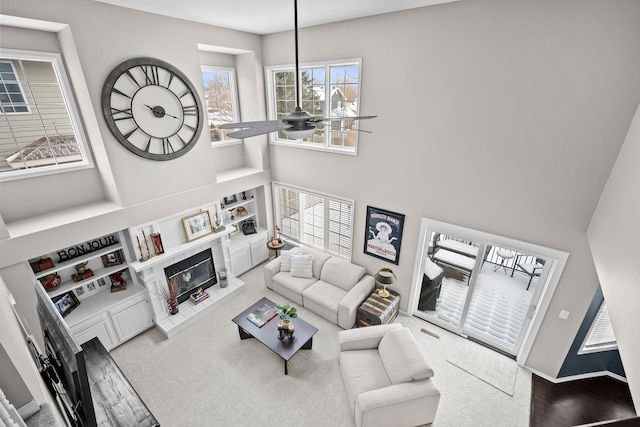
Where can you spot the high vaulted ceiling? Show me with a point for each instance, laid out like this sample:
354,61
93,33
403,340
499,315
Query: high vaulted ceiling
270,16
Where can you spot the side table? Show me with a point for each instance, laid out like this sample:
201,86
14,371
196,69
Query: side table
275,248
377,310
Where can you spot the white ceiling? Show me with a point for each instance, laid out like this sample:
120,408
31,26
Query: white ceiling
270,16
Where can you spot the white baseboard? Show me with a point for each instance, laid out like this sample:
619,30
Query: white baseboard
29,409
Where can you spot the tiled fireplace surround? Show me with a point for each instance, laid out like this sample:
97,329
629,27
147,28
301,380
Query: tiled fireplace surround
151,273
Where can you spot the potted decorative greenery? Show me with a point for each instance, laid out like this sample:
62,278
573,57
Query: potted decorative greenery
286,311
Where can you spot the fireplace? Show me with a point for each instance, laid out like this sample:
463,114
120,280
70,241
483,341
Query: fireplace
193,273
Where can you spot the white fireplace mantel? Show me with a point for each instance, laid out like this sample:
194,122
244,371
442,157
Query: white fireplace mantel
151,274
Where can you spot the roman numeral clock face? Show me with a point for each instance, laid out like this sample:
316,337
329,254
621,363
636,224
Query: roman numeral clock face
152,108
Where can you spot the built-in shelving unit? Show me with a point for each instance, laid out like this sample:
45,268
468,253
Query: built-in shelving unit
97,305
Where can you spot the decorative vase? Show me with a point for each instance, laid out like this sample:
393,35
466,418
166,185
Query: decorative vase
224,280
174,308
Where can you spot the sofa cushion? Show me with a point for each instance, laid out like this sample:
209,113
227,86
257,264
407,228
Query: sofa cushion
319,258
403,359
291,287
362,371
302,266
341,273
323,298
285,258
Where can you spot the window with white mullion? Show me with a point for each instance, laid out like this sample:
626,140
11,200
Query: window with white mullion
40,130
328,89
601,336
340,217
313,223
314,219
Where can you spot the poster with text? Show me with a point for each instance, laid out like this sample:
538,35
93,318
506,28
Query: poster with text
383,234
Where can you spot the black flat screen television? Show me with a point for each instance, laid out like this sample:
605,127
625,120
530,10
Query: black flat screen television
70,382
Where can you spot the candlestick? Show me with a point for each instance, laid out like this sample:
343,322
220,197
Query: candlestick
146,243
142,257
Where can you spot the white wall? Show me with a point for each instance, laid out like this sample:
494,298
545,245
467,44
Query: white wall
504,117
613,236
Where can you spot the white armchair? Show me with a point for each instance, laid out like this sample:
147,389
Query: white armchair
387,377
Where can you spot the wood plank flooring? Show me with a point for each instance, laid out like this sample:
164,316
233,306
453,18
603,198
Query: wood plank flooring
579,402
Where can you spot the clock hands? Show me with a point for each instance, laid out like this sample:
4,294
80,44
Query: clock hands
159,112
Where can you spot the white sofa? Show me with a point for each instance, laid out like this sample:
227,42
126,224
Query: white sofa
330,287
387,377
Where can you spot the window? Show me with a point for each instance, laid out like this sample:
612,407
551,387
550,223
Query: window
222,101
40,131
600,336
11,93
314,219
328,90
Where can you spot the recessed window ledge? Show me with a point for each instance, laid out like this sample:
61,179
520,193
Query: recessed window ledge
51,220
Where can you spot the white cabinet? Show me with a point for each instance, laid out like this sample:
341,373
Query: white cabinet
240,258
245,252
98,326
259,250
132,317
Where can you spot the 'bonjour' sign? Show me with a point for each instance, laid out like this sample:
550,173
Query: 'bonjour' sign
87,247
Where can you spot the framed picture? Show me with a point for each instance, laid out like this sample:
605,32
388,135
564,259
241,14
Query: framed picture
111,259
383,234
79,291
101,282
230,199
91,287
66,303
197,225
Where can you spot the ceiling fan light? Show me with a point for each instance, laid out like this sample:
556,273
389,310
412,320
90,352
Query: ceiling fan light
299,133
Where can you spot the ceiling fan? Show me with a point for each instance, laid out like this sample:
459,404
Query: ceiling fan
298,124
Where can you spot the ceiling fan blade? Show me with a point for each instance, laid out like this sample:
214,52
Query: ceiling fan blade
343,118
328,125
255,128
238,125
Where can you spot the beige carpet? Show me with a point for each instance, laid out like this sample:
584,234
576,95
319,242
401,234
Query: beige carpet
487,365
206,376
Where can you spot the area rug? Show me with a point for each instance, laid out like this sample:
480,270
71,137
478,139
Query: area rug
488,366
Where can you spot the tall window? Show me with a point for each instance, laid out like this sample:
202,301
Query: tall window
600,336
329,89
314,219
221,99
40,131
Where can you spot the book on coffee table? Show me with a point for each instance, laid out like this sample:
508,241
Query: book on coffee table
261,315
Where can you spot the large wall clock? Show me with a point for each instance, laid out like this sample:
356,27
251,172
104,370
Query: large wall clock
152,108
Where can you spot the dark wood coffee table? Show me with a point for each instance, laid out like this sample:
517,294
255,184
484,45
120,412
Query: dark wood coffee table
268,333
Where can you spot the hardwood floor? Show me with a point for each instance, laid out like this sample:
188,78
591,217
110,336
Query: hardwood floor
579,402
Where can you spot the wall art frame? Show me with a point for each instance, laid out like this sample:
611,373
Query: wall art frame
197,225
66,303
383,234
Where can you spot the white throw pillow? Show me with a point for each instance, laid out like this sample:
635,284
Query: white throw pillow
285,258
302,266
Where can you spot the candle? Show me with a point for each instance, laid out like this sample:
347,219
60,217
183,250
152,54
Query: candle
143,235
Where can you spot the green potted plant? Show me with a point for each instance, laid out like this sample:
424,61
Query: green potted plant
285,327
286,312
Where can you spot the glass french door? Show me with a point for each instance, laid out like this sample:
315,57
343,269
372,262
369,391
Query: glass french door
478,286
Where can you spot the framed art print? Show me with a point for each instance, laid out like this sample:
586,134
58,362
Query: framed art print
383,234
197,225
66,303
